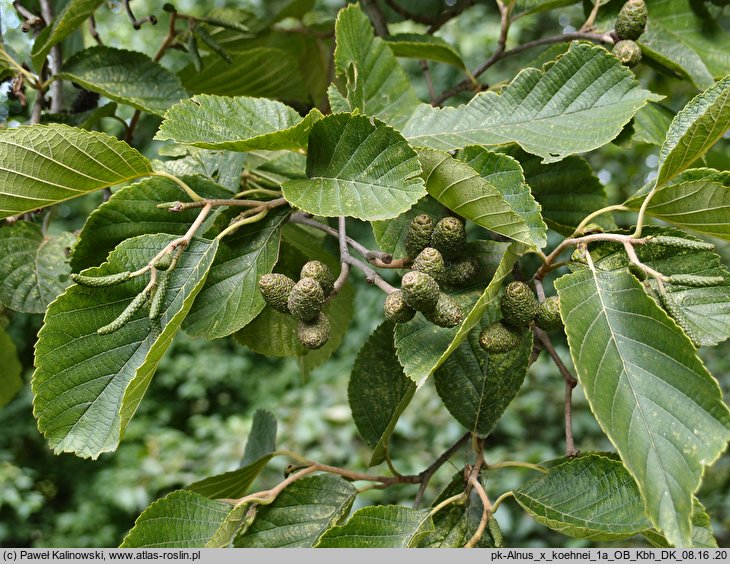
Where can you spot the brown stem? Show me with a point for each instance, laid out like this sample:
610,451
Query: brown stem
428,473
486,512
407,14
380,24
137,23
429,82
169,38
588,25
181,206
93,32
56,59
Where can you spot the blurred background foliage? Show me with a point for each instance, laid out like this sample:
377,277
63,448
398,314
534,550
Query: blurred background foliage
195,417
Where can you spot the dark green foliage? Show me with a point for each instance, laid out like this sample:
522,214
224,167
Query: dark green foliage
631,20
321,273
306,299
429,261
449,237
499,338
548,314
420,291
518,304
419,234
276,289
315,333
447,312
396,309
628,52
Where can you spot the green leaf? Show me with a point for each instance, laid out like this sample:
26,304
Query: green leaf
278,10
375,83
10,377
505,174
262,438
184,519
222,167
651,124
575,104
41,165
358,167
33,269
300,514
684,36
422,46
460,188
230,298
379,391
567,191
87,386
237,124
526,7
591,496
694,130
74,13
391,234
649,392
477,387
133,211
127,77
701,530
379,526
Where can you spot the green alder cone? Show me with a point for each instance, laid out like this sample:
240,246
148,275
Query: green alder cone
429,261
321,273
519,305
315,333
547,317
396,309
275,288
628,52
447,312
164,262
306,299
498,338
419,234
461,272
631,20
449,237
420,291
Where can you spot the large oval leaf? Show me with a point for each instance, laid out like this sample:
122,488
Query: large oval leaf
41,165
87,386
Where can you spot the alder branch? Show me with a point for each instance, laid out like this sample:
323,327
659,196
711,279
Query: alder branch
56,58
427,474
380,24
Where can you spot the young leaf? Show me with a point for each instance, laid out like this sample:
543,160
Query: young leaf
33,269
41,165
87,386
300,514
505,174
127,77
10,377
422,46
184,519
460,188
359,167
230,298
694,130
650,393
237,124
379,391
477,387
588,497
576,104
379,526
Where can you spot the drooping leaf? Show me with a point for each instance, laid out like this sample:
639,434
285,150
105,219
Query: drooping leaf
694,130
127,77
300,514
391,234
262,438
379,391
230,298
237,124
41,165
578,103
702,536
592,496
184,519
647,388
34,268
505,174
460,188
133,211
379,526
74,13
477,387
10,376
87,386
358,167
376,84
422,46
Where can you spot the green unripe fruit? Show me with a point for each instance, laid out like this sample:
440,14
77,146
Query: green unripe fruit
447,312
306,299
579,255
275,289
449,237
315,333
419,234
420,291
430,261
547,317
164,262
637,271
461,272
631,20
519,305
321,273
498,338
396,309
628,52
